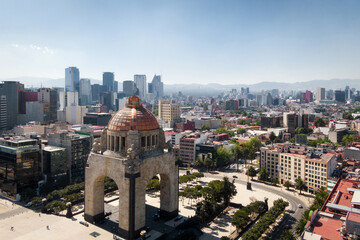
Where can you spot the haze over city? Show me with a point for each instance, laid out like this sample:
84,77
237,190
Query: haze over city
228,42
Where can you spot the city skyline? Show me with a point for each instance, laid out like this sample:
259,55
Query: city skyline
235,42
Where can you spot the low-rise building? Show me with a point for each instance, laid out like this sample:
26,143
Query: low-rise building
339,217
97,119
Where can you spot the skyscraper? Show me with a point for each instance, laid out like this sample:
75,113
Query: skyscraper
116,86
129,88
320,94
108,81
85,92
157,87
12,92
140,81
339,96
72,78
95,90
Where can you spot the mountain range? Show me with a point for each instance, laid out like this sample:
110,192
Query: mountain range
210,89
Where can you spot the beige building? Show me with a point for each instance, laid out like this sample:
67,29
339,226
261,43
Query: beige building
320,94
169,112
286,166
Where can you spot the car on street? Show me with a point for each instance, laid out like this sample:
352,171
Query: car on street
300,206
235,176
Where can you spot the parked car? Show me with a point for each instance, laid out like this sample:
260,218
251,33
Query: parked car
29,204
235,176
84,223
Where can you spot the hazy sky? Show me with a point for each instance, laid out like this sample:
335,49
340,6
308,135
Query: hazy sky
190,41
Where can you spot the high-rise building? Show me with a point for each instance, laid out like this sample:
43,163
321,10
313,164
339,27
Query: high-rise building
339,96
116,86
320,94
129,88
169,112
108,81
140,81
95,93
157,87
15,102
49,96
3,112
85,93
306,97
72,78
77,147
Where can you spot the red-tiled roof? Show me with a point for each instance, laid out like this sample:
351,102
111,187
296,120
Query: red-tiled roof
327,228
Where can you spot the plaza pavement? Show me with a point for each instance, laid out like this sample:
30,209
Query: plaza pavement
28,225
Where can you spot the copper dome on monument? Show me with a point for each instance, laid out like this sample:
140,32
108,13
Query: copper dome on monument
133,117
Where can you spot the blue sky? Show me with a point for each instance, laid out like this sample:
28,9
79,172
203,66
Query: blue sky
185,41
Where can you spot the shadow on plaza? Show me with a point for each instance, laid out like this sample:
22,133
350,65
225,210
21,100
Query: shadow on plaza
153,222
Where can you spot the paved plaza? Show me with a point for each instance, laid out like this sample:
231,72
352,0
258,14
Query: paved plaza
29,225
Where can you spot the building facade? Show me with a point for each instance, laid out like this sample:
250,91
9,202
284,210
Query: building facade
72,79
20,166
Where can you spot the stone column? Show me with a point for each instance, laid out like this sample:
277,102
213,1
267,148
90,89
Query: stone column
94,198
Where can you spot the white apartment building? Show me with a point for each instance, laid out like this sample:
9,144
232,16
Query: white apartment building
287,166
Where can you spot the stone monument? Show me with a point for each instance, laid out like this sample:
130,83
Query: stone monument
131,152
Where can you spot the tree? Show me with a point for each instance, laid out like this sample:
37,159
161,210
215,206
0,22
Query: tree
300,185
301,130
208,163
237,154
350,138
228,190
264,174
272,137
287,184
205,127
275,181
287,235
222,156
240,218
251,172
154,184
241,130
319,122
198,162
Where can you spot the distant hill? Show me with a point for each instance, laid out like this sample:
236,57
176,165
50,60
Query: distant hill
210,89
42,81
215,89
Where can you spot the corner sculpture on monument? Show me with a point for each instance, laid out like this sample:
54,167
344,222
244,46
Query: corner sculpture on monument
131,152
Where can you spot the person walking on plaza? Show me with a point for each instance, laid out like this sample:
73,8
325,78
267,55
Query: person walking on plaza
47,227
12,229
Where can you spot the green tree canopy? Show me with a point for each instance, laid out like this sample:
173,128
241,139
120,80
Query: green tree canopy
241,130
300,185
251,172
205,127
264,174
222,156
319,122
287,184
349,138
